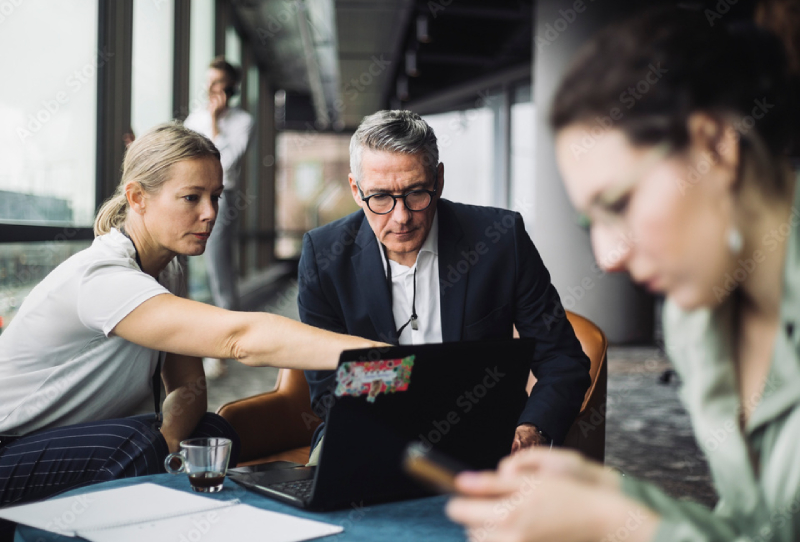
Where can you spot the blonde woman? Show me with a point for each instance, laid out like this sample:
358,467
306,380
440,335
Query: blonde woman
85,344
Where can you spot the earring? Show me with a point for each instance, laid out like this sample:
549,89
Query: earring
735,241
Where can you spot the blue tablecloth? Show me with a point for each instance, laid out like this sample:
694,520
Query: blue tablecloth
414,520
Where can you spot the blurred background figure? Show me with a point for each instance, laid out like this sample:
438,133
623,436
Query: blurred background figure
230,128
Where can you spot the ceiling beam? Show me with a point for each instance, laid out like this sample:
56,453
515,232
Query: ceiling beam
484,13
473,90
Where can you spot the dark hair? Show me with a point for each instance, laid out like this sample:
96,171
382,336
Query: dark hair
233,73
782,18
648,74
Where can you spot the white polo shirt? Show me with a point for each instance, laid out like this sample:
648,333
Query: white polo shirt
58,364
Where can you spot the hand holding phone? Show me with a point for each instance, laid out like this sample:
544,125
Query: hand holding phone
431,468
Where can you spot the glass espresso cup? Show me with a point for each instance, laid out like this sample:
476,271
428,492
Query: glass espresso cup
205,460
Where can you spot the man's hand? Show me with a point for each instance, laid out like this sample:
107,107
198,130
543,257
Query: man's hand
217,102
527,435
559,463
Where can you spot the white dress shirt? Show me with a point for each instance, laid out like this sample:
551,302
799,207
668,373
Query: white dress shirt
429,312
235,128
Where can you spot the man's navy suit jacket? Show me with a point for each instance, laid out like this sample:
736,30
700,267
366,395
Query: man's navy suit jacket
491,278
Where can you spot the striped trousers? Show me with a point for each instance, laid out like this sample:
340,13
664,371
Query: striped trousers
51,461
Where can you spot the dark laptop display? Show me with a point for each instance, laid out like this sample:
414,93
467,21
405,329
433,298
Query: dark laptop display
463,399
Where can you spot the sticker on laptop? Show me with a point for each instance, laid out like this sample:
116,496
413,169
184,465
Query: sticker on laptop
372,378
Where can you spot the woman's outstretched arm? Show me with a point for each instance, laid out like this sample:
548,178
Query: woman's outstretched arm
190,328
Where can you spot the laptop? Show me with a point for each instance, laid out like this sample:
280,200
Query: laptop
463,399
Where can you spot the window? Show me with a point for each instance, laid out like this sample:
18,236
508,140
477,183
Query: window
151,92
201,50
478,153
311,185
23,266
465,140
523,151
233,54
48,113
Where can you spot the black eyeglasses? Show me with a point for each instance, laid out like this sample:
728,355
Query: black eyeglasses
383,204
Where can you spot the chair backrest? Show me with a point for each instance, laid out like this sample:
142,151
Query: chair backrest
588,432
276,425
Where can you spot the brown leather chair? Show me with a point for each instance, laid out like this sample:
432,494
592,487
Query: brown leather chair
278,425
588,431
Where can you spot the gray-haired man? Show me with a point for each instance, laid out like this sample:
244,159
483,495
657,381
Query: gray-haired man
457,272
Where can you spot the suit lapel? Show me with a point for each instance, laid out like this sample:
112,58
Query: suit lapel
452,277
372,286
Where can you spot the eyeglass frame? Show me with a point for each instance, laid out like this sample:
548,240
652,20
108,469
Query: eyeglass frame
431,193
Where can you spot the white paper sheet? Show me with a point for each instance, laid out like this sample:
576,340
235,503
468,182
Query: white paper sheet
241,523
152,512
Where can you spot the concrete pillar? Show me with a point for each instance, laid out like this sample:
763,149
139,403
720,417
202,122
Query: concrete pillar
622,310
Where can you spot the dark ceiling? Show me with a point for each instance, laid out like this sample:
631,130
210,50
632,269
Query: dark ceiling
358,56
465,40
339,60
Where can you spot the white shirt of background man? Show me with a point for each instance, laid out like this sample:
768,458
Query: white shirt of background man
235,126
428,304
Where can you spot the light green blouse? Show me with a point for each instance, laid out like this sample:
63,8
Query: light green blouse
759,499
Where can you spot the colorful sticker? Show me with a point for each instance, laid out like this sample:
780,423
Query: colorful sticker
372,378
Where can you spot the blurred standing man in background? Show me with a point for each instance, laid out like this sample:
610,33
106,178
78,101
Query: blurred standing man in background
230,129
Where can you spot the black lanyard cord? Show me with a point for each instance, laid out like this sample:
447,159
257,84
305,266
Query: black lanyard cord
413,319
157,374
135,250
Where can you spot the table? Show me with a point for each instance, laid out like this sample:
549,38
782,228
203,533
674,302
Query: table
413,520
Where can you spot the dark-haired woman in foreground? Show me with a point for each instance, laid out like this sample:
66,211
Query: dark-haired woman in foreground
84,346
695,172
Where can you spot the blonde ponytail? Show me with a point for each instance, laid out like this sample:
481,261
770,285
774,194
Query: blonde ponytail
147,162
112,214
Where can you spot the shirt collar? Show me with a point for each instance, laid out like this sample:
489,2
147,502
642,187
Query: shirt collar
431,243
707,335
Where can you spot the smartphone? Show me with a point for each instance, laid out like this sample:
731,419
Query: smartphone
431,468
